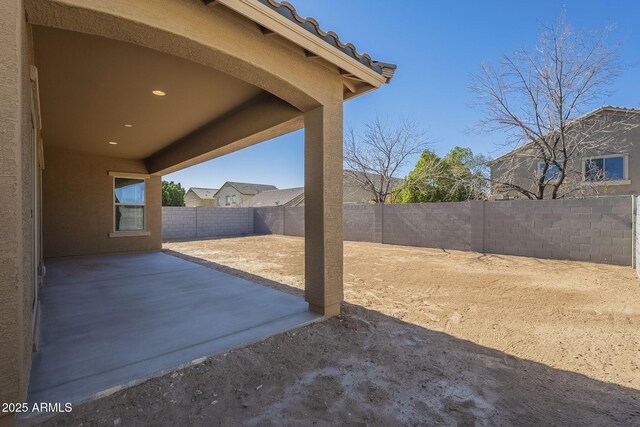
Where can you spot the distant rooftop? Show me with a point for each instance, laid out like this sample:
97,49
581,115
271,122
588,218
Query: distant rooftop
204,193
354,178
250,189
276,198
599,110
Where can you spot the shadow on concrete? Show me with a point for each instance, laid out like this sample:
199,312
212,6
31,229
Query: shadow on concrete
239,273
364,368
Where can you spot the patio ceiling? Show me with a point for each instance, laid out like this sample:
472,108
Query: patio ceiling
91,87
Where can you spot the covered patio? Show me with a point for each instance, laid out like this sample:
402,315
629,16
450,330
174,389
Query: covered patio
102,100
113,321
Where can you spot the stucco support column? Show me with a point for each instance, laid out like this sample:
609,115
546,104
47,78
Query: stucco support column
15,207
323,208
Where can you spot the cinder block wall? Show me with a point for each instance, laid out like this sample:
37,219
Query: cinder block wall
594,229
637,236
363,223
294,221
223,221
198,222
178,223
268,220
432,225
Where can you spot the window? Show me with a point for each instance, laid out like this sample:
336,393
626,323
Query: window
219,200
552,171
226,200
609,168
129,206
233,199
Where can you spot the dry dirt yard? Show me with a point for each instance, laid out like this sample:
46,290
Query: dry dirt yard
428,337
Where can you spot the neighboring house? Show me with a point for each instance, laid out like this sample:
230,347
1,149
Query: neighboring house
608,164
113,95
234,194
195,197
285,197
355,193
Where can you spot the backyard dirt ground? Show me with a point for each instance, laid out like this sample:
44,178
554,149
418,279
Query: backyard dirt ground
428,337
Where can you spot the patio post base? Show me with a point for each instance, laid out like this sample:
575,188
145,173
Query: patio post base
328,311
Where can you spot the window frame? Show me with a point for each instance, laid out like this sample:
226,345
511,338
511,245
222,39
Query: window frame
233,199
541,167
134,233
625,169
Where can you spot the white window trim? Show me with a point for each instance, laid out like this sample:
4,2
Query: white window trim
136,233
625,167
129,175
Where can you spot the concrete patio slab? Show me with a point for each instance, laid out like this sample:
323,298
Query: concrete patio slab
118,320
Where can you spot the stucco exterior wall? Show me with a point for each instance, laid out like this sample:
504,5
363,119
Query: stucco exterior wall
78,205
625,139
228,190
192,200
77,190
15,205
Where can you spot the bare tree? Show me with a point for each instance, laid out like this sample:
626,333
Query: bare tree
373,158
538,97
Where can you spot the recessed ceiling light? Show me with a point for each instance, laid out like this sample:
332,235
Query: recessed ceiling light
127,125
113,143
158,92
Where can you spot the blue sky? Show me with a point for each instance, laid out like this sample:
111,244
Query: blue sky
437,45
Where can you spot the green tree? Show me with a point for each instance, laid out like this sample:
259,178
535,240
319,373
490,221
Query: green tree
172,194
456,177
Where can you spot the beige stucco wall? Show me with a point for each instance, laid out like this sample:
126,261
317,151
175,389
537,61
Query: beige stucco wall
191,200
15,205
77,190
78,205
230,191
625,140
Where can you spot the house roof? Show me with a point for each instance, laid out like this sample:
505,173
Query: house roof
248,188
287,10
609,108
353,178
275,197
204,193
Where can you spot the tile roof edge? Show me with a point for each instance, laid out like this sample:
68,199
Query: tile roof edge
385,69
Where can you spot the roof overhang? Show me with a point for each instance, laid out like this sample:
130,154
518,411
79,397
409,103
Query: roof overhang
281,25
